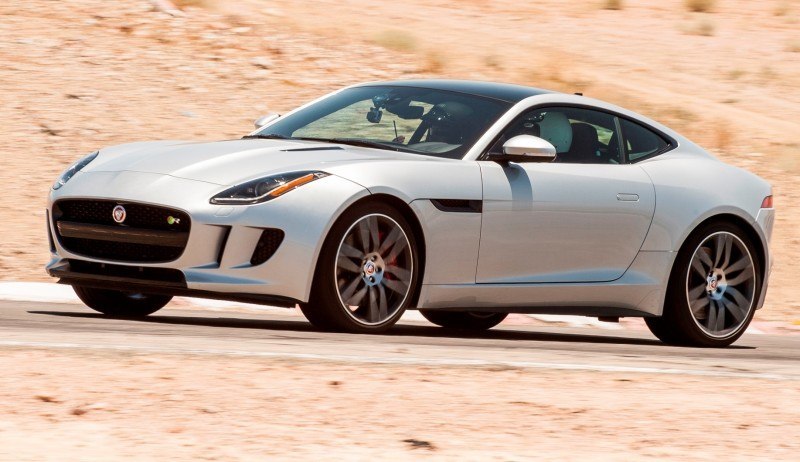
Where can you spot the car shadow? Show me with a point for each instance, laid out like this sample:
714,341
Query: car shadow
399,330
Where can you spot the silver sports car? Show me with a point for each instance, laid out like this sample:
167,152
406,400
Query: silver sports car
464,200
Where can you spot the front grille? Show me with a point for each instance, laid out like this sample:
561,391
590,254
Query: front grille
99,212
267,246
149,234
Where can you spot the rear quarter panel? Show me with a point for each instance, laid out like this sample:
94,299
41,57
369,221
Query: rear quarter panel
691,189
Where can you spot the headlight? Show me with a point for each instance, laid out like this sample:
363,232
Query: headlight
264,189
73,169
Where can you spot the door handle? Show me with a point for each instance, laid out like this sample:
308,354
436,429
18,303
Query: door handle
628,197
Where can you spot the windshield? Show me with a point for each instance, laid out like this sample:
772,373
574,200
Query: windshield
417,120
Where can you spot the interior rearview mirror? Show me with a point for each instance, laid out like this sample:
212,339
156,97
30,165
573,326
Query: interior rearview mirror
265,119
527,148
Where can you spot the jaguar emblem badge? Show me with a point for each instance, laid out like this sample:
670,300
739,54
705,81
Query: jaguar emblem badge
119,214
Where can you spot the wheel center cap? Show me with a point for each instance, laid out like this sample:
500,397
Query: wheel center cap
716,285
372,270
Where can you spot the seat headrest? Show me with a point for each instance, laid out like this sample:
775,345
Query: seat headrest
555,128
584,132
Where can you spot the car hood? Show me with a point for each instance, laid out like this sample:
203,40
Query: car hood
231,162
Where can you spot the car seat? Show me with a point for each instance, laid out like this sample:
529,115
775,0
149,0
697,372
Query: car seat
585,146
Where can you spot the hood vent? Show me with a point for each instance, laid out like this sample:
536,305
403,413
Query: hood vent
318,148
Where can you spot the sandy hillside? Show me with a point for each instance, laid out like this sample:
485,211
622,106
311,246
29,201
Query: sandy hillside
78,75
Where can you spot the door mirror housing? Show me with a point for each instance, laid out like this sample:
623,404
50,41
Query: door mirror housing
526,148
265,119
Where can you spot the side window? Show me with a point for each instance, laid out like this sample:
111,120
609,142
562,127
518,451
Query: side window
580,136
640,142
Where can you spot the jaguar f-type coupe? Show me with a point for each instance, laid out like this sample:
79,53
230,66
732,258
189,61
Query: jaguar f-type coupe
463,200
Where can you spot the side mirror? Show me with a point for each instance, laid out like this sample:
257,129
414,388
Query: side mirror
265,119
527,148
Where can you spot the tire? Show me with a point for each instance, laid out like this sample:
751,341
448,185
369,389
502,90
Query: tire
121,304
364,286
713,289
466,320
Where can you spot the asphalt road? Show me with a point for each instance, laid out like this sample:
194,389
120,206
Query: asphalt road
180,331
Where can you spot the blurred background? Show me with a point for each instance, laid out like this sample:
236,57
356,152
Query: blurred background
78,75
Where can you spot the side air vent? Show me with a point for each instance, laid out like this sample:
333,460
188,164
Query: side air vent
458,205
267,246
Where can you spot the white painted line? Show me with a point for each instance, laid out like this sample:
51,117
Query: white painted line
404,361
576,321
44,292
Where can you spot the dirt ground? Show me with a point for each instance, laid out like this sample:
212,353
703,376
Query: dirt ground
116,406
80,75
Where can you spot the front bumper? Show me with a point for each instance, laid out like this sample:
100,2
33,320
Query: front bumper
216,261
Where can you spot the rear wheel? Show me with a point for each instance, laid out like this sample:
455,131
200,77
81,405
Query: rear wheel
713,289
122,304
367,272
467,320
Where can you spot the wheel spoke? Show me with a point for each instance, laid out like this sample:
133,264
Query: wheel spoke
350,290
739,305
355,300
401,273
350,251
383,310
712,316
397,286
727,252
719,248
720,325
347,264
740,264
390,240
704,255
372,223
363,232
374,311
697,307
743,276
697,264
398,247
697,291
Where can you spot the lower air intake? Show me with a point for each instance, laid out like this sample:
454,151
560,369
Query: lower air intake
267,245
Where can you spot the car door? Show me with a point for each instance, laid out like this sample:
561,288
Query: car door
582,218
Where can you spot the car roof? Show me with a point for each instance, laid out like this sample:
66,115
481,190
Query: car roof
501,91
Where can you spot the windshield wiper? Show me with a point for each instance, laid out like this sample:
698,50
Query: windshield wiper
355,142
270,136
349,141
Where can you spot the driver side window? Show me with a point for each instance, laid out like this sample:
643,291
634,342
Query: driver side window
580,136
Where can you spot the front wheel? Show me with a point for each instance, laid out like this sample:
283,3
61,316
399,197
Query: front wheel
367,272
122,304
467,320
713,289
